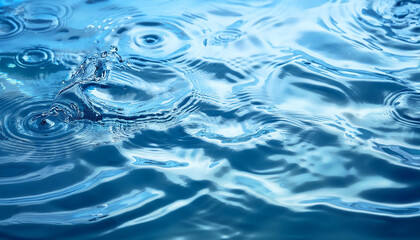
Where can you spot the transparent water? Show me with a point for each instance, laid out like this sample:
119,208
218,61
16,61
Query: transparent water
290,119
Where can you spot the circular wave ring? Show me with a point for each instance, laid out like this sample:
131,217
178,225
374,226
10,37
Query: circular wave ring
391,26
150,40
26,130
44,16
155,39
34,57
137,93
10,27
401,19
223,37
404,107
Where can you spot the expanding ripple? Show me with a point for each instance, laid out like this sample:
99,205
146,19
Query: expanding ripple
107,88
27,132
44,16
9,27
34,57
131,93
223,37
391,26
404,107
148,38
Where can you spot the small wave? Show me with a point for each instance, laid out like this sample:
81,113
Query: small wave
368,207
404,155
119,206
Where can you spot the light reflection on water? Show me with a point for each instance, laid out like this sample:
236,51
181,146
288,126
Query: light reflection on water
218,119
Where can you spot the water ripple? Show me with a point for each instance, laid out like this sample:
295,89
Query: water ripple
148,38
223,37
209,119
44,16
119,206
138,91
34,57
26,131
9,27
390,26
403,107
369,207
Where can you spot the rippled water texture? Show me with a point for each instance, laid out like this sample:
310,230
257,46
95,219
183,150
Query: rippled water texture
290,119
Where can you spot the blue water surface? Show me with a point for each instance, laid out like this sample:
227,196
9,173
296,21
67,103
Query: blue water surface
233,119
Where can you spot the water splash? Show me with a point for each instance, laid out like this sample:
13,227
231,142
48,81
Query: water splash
70,103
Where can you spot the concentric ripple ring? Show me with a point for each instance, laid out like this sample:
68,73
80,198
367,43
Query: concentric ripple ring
27,131
34,57
9,27
404,107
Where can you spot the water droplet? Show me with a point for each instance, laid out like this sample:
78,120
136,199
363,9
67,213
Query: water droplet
113,48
